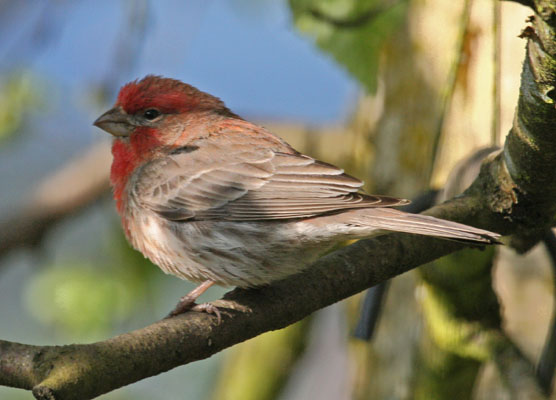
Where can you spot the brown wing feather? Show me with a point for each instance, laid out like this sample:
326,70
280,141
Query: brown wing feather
248,180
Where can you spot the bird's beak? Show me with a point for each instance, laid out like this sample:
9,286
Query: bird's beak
115,121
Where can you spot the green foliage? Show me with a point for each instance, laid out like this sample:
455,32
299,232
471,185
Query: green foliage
78,299
86,298
18,94
353,31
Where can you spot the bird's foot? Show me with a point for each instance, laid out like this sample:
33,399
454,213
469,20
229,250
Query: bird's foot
209,309
187,303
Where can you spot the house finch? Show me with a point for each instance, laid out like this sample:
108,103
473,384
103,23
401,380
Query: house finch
214,199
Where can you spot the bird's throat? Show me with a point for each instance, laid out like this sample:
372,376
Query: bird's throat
129,154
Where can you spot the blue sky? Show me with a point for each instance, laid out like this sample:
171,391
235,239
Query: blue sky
244,51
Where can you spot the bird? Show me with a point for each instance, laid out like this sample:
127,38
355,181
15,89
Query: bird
212,198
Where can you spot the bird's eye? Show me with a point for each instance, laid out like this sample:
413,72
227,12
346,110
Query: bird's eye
151,114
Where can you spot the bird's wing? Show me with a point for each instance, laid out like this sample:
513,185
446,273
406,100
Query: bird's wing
243,178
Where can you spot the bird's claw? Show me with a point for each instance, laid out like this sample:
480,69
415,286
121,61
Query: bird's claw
209,309
187,304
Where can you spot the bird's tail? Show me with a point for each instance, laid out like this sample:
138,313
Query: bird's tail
389,219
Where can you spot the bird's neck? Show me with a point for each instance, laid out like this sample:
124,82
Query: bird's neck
129,153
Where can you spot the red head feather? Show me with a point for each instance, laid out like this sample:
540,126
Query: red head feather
165,94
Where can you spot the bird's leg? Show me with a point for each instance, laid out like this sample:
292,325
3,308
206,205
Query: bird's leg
187,302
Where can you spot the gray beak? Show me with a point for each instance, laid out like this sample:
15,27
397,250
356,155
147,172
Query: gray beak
115,121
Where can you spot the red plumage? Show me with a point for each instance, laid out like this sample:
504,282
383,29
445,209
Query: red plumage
128,155
167,95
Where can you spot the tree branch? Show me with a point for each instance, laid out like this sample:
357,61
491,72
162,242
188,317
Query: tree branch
86,371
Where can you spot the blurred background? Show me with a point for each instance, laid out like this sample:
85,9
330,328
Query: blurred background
394,91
